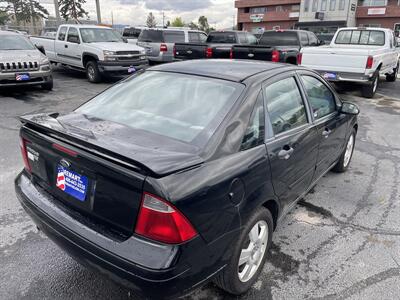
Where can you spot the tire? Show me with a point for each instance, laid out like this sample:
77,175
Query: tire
92,72
393,77
344,160
48,86
368,91
229,278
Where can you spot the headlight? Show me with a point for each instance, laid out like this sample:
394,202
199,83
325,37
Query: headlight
143,51
106,52
45,61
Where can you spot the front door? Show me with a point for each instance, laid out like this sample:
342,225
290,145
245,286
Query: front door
72,53
293,147
331,124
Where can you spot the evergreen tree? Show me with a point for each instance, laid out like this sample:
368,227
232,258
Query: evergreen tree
72,9
178,22
151,21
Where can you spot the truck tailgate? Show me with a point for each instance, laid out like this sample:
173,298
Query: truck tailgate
252,52
352,60
190,51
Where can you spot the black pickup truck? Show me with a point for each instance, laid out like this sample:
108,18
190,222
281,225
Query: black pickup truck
217,45
277,46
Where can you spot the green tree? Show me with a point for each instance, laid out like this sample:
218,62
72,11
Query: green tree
178,22
203,24
27,10
72,9
4,12
193,25
151,21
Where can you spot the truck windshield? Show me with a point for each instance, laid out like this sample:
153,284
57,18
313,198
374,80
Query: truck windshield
15,42
182,107
279,38
361,37
96,35
222,38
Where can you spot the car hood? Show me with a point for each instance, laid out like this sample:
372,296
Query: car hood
159,154
119,46
21,55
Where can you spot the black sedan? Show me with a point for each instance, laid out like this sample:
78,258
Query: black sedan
179,174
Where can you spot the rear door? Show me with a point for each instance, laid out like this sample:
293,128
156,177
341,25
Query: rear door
331,124
293,140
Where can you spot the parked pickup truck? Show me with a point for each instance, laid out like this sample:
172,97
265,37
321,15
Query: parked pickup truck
98,50
277,46
217,45
357,55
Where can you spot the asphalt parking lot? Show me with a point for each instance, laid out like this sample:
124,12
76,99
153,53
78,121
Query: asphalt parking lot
341,242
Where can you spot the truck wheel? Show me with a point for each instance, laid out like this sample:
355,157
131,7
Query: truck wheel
48,85
368,91
344,160
392,77
249,254
92,72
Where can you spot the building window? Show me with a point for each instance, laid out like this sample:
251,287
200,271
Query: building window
296,7
323,5
372,2
258,10
279,8
332,5
306,5
342,4
315,5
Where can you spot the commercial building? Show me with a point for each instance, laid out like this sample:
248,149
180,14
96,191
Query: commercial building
259,15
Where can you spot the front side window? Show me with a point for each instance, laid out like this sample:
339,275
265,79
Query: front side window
255,132
174,36
313,39
303,39
242,37
62,33
73,36
285,105
321,98
174,105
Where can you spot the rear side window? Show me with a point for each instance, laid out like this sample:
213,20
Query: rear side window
279,38
222,38
303,39
242,37
255,132
151,36
321,98
285,105
174,36
361,37
131,33
251,39
312,39
197,37
62,33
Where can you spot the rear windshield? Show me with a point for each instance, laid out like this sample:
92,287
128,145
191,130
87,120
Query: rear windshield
151,36
131,33
183,107
279,38
222,38
361,37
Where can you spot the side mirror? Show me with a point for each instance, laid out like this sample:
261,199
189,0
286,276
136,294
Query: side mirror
41,49
349,109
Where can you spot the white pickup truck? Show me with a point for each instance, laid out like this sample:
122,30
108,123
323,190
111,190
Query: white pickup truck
98,50
357,55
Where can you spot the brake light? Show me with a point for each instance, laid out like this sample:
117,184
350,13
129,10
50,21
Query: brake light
299,58
65,150
160,221
370,62
163,48
24,152
231,54
209,52
275,56
174,50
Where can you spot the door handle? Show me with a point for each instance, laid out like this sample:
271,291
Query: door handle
286,152
65,46
326,132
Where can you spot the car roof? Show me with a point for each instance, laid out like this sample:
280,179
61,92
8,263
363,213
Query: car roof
86,26
232,70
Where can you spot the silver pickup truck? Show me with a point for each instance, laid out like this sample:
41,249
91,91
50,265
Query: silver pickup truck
21,63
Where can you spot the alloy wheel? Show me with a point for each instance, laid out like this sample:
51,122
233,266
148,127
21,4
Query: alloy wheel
349,151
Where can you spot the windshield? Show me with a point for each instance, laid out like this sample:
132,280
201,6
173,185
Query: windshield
222,38
361,37
277,38
96,35
15,42
178,106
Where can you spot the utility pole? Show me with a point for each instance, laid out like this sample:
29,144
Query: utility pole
57,9
98,11
163,19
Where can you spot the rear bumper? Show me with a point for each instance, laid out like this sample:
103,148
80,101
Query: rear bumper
162,57
152,270
348,77
121,67
36,77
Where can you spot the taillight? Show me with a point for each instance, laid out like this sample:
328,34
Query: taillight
299,58
370,62
231,54
275,56
163,48
209,52
24,152
174,50
160,221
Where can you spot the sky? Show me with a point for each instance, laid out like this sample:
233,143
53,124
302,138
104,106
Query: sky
220,13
